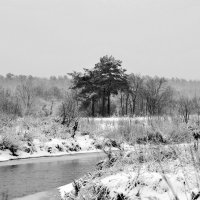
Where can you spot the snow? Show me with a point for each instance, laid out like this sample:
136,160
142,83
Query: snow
145,183
86,144
152,185
65,189
5,155
149,183
108,119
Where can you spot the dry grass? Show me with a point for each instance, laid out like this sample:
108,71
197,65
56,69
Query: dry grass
178,153
133,131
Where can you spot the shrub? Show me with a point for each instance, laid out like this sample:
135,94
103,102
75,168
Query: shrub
77,187
30,148
11,141
98,146
155,138
121,196
29,136
109,161
7,120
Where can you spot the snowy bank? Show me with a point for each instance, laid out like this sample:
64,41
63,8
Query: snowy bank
131,176
55,147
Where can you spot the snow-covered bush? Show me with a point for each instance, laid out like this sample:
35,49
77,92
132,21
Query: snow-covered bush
30,135
7,120
11,140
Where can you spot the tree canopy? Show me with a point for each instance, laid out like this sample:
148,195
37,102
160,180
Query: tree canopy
96,85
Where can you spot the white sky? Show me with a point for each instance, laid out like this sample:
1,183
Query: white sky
54,37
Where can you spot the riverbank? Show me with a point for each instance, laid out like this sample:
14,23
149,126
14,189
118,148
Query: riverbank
157,173
55,147
161,173
52,158
47,195
31,138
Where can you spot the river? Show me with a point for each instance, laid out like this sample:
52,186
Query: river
24,177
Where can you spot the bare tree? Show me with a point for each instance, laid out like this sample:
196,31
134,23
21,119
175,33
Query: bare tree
185,108
9,103
25,93
68,110
196,104
157,95
135,83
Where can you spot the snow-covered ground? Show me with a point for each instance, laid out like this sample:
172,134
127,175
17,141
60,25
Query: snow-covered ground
147,185
168,180
55,147
143,182
65,189
109,119
152,185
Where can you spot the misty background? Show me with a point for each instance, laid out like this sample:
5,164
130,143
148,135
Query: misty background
48,37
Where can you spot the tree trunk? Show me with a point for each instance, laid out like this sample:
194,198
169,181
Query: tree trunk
63,114
108,104
134,104
103,103
127,97
121,101
93,107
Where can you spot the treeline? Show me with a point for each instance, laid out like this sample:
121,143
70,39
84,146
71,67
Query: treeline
107,89
104,90
189,88
26,95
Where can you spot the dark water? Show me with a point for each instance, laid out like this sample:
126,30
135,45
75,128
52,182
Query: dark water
24,177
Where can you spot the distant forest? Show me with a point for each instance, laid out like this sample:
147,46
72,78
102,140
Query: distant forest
104,90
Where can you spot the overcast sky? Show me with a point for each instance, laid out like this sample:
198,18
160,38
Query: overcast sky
54,37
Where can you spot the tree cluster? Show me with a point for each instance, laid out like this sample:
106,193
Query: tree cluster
107,89
96,86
